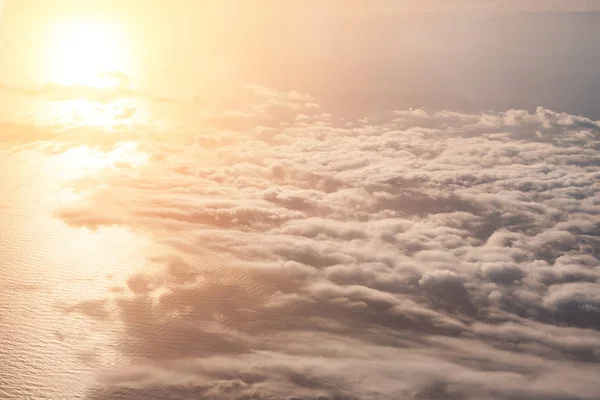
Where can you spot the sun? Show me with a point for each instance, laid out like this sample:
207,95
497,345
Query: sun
82,52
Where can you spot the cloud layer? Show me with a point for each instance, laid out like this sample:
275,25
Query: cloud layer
418,255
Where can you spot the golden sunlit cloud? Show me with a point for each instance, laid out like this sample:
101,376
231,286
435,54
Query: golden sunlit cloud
84,52
77,162
90,113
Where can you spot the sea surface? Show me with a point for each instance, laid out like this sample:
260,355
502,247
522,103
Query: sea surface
48,348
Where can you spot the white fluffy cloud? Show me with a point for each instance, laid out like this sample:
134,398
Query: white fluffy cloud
419,255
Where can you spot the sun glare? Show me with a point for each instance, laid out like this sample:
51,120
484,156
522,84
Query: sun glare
83,52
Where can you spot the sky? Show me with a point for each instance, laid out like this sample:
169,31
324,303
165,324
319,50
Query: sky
467,56
300,200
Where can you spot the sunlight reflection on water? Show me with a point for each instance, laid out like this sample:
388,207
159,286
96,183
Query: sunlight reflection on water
47,349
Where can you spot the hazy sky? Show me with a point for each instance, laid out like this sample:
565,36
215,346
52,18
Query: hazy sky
316,200
469,55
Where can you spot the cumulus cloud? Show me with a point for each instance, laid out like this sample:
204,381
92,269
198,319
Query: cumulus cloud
417,255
